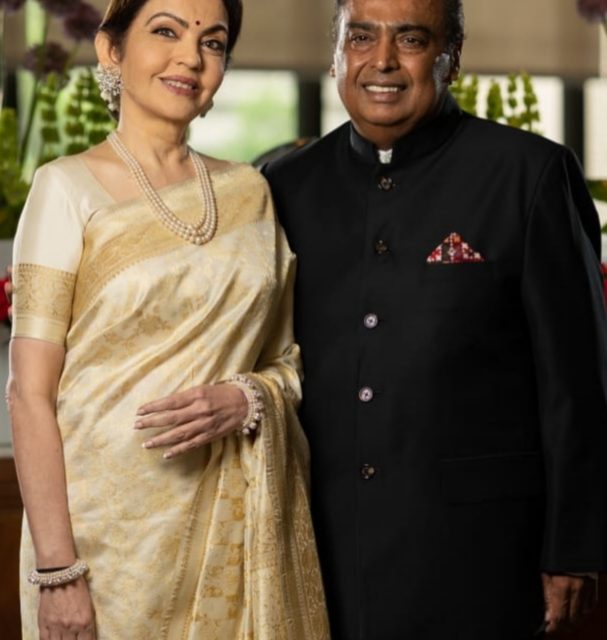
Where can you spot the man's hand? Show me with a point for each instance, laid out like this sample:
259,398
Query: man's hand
194,417
568,600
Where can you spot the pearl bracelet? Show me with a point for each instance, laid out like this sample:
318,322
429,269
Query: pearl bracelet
254,401
59,577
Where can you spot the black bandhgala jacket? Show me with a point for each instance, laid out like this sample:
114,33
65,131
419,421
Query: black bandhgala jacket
456,413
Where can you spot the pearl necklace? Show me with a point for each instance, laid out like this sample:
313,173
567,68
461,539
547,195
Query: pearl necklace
199,233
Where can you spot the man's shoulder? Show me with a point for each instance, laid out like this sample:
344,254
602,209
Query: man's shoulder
314,154
480,135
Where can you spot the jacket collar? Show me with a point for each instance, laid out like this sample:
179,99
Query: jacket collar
418,142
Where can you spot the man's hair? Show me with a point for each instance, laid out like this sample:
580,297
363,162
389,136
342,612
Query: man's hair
454,22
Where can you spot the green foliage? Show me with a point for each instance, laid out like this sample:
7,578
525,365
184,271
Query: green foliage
70,118
465,91
598,189
516,107
87,120
13,189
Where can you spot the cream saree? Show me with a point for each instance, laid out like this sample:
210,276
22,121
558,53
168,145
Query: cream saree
218,544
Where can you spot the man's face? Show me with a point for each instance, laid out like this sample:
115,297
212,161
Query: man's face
391,65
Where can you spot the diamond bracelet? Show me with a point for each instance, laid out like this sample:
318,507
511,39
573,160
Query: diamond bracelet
255,410
59,577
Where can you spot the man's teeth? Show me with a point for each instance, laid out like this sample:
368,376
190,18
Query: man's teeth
179,85
381,89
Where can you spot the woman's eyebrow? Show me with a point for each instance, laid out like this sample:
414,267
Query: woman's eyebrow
184,23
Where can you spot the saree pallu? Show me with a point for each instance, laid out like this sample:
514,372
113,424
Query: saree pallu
216,544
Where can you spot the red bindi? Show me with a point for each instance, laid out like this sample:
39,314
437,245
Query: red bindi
198,22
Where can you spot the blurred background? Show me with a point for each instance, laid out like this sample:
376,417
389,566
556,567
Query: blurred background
277,91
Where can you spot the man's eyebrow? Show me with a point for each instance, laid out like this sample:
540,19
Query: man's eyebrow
405,27
408,28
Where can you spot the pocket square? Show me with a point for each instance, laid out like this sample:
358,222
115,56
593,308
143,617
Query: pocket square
453,250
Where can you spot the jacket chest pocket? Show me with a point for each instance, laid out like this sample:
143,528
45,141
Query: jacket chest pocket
462,286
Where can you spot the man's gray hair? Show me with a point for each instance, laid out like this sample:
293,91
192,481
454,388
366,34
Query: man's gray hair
454,22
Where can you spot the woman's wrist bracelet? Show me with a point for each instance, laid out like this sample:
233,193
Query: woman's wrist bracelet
255,409
57,577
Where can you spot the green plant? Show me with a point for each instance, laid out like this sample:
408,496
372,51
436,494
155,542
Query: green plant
65,113
517,106
13,189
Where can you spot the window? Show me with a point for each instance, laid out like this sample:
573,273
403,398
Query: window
254,111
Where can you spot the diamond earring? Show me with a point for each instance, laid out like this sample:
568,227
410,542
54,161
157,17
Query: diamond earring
110,86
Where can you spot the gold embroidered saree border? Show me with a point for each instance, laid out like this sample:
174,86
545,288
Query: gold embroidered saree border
144,237
42,302
283,596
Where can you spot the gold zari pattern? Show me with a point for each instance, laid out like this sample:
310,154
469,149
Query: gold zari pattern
44,299
216,544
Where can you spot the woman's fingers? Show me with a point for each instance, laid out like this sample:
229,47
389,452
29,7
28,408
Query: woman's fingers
173,402
184,434
193,418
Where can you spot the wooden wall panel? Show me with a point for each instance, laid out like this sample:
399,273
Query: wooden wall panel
542,36
595,627
10,531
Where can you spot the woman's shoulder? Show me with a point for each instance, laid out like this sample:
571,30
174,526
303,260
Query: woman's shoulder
69,171
64,168
232,170
68,181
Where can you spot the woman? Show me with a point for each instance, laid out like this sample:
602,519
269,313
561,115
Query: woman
142,269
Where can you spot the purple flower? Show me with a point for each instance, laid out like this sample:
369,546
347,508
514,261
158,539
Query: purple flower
59,7
82,23
43,59
11,5
593,10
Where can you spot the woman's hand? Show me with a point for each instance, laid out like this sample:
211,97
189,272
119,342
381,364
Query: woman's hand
194,417
66,612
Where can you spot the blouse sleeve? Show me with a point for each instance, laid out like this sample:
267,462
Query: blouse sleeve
46,255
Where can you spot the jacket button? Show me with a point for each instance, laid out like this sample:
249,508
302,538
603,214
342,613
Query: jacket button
368,471
381,248
386,184
371,321
365,394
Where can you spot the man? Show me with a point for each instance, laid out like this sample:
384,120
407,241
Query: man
448,305
450,314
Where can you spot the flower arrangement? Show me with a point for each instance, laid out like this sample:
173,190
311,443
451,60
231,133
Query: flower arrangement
594,11
65,115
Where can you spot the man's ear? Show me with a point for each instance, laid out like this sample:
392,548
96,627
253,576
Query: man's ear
107,53
456,55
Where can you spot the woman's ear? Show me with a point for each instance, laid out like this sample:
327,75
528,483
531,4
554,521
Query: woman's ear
107,52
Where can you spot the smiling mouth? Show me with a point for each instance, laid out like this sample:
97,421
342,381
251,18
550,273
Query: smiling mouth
184,85
380,88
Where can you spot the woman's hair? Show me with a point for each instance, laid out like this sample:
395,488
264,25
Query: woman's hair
120,14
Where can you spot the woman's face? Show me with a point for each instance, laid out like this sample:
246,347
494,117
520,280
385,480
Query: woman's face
173,58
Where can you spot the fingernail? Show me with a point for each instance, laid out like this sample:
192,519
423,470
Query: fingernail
167,456
138,424
140,412
146,445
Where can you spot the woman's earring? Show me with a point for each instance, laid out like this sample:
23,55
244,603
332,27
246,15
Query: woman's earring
332,71
110,86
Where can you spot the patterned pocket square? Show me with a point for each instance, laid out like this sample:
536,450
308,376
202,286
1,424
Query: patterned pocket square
453,250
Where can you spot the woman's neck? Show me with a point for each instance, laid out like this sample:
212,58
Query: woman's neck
157,145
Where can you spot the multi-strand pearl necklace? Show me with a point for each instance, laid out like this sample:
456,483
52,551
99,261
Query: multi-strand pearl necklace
198,233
